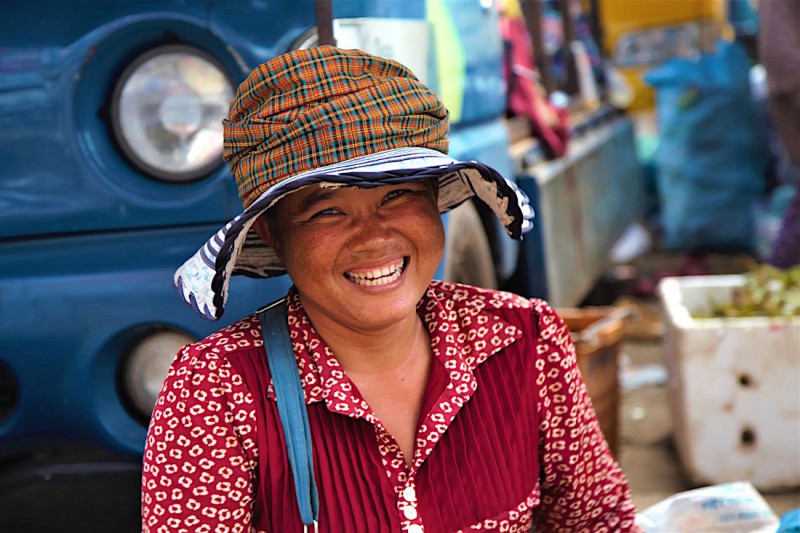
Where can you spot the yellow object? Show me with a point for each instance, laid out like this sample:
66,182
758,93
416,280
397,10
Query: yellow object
510,8
449,57
623,18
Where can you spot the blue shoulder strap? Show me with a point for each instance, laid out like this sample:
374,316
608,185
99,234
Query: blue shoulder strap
291,407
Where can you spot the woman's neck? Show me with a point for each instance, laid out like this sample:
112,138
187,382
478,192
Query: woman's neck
389,366
388,350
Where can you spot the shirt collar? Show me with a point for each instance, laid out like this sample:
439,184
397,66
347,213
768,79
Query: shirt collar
464,334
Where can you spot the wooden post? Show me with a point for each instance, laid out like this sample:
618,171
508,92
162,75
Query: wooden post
324,12
570,36
532,11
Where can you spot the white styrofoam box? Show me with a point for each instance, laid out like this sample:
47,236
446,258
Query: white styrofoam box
734,387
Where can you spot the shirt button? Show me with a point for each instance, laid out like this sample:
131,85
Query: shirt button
410,512
414,528
410,494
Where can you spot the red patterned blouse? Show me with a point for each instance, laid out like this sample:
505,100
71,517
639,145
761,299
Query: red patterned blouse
507,439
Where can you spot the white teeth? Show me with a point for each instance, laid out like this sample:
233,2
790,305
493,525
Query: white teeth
377,277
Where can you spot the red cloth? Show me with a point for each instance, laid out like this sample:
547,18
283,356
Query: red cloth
526,96
507,437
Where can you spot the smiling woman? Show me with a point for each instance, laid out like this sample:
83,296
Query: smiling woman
361,258
428,405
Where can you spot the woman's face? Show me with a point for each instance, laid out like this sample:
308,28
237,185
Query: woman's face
359,257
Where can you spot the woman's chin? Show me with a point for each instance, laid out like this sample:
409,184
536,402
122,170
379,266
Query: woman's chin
378,307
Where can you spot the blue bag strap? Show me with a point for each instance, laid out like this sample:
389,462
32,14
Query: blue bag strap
291,407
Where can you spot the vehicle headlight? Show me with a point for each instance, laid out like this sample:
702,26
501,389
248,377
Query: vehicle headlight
658,44
167,111
146,366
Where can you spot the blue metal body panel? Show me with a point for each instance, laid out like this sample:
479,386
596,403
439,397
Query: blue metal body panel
62,172
88,243
532,272
407,9
71,306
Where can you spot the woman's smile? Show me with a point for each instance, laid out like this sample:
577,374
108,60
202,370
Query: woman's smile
381,276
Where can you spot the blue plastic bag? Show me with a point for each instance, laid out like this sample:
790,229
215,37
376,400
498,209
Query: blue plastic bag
711,155
790,522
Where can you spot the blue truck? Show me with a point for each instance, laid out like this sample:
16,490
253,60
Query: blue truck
111,177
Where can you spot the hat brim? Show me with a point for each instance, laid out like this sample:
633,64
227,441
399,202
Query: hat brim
203,280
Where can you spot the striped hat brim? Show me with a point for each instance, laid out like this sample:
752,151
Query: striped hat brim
203,280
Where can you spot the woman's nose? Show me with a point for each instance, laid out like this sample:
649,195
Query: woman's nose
368,232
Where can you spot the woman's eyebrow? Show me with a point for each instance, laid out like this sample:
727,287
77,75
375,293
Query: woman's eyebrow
308,203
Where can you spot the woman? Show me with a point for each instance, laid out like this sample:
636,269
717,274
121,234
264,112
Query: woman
431,406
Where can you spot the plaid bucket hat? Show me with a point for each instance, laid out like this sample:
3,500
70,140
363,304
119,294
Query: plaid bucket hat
337,118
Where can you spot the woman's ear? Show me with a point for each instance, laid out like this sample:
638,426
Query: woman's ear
268,232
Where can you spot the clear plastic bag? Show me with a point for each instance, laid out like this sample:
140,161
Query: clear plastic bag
727,508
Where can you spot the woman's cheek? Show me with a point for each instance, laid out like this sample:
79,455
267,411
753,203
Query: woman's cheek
308,247
438,241
430,229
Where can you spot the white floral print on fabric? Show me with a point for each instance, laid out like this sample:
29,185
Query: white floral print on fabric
201,455
580,481
200,450
516,520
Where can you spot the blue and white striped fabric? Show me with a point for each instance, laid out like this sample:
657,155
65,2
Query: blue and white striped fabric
203,280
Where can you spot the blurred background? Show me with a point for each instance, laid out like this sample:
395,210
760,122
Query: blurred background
656,139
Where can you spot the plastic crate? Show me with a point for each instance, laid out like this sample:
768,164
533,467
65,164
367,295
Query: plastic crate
734,387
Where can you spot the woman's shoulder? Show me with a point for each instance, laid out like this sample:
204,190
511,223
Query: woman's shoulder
241,336
462,294
215,359
507,305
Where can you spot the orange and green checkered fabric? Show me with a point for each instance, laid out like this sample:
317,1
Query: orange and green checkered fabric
315,107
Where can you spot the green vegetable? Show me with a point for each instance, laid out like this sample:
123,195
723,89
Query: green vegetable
767,291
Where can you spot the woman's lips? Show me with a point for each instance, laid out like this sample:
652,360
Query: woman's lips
379,275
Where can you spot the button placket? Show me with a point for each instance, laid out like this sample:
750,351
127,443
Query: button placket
407,508
394,465
410,512
391,456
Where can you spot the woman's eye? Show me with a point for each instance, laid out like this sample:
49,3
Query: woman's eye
395,194
326,213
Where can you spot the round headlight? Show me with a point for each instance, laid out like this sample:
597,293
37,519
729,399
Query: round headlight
167,111
146,366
